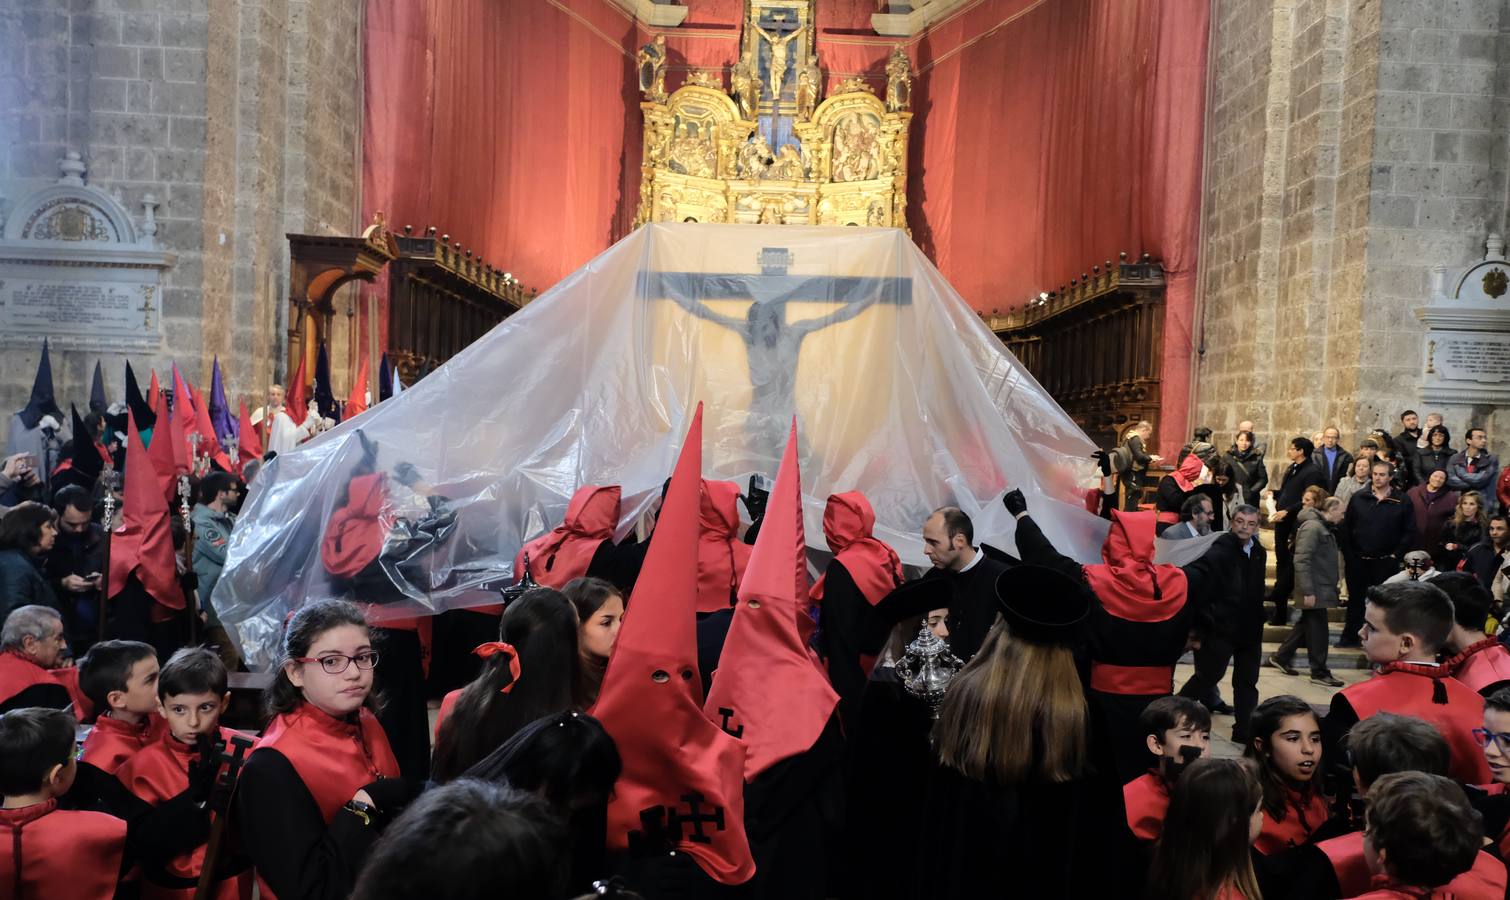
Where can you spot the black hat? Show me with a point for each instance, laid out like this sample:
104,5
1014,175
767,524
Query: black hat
1042,605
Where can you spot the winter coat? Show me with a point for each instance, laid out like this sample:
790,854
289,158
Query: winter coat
1316,568
1433,512
1428,461
1248,472
1486,470
22,582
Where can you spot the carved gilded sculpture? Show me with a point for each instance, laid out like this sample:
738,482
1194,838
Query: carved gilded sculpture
773,149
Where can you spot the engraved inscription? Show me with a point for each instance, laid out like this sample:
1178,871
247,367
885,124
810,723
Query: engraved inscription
1473,359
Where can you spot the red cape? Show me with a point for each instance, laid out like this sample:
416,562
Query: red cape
333,757
874,567
112,742
143,544
161,772
564,552
1480,665
682,788
769,690
1127,583
354,535
721,555
1411,690
248,441
62,852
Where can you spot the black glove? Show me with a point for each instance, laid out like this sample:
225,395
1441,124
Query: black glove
205,767
1015,502
392,795
1103,459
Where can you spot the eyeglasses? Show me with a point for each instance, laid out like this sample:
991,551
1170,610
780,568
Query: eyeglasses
1485,737
336,663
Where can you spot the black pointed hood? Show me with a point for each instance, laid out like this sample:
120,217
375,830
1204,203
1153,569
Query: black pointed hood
42,402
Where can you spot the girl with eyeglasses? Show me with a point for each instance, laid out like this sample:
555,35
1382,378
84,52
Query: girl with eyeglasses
322,782
1493,799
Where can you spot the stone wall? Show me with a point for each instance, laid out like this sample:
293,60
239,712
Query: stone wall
208,105
1352,145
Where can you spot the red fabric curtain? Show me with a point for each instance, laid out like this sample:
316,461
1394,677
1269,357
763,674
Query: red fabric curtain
1048,136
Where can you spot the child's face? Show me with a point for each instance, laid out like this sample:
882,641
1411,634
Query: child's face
190,715
1295,748
1185,734
340,693
1380,644
1497,726
140,695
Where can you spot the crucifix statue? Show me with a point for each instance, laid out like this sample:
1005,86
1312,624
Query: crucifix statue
779,52
772,343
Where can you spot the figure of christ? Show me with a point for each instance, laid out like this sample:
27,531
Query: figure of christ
778,58
772,346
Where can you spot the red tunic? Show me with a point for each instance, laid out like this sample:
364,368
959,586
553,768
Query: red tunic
111,742
334,757
159,772
1427,692
1147,800
1485,879
18,672
48,852
1481,665
1302,816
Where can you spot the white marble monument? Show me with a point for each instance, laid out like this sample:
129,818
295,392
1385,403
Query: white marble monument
75,267
1465,354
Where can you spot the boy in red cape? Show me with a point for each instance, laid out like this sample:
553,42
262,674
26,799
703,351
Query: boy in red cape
46,851
173,776
1479,661
1405,624
682,788
770,692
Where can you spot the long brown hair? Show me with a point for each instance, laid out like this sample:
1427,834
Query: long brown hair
1482,519
1204,844
1016,711
1262,725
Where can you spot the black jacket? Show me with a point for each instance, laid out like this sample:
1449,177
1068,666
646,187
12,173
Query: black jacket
1293,484
1377,528
1341,468
1428,461
1237,602
1249,472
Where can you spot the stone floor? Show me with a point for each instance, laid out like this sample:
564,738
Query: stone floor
1271,683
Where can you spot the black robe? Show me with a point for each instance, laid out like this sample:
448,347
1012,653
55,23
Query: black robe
793,812
849,629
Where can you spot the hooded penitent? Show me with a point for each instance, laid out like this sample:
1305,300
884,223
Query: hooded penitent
97,401
871,563
354,536
564,552
143,545
769,690
39,427
1127,582
721,555
356,402
249,440
141,407
682,787
160,450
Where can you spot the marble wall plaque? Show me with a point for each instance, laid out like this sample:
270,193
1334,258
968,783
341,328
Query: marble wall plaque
1479,357
79,307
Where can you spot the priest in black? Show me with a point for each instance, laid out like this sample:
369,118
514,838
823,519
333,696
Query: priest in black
963,578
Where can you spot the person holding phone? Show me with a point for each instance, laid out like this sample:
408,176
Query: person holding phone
74,564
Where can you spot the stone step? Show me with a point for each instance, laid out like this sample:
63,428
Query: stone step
1337,657
1335,614
1277,633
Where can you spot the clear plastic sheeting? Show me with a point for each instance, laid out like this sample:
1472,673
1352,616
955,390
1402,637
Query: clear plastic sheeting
899,389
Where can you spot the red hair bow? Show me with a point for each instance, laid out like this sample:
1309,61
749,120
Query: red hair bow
492,648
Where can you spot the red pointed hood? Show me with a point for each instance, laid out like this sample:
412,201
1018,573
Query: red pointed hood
1189,472
164,460
248,441
356,403
564,552
721,555
183,424
871,563
210,443
296,398
682,787
768,690
143,543
153,391
1127,583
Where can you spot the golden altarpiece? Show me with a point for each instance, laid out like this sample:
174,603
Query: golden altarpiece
769,147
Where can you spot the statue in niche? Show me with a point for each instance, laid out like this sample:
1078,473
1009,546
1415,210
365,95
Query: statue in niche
745,86
691,153
778,56
755,157
651,65
808,80
788,165
898,81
